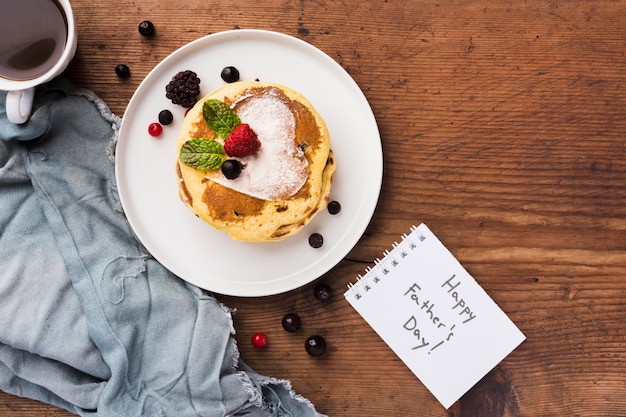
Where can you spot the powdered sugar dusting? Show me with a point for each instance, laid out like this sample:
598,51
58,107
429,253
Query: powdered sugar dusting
279,169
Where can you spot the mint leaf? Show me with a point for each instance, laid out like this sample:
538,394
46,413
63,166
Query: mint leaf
220,118
202,154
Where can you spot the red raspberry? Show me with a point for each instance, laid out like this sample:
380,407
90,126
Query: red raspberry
242,141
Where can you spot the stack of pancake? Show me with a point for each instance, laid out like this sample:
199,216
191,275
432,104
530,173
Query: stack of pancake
283,186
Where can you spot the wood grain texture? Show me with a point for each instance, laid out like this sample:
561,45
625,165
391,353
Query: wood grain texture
503,127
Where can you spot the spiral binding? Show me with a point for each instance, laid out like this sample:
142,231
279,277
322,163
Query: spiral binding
391,258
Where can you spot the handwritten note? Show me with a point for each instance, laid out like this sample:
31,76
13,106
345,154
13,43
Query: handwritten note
434,315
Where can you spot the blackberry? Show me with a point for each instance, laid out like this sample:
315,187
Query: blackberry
184,88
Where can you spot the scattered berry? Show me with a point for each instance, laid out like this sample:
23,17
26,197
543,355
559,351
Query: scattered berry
184,88
166,117
322,292
122,71
230,74
291,322
155,129
334,207
146,28
315,345
316,240
259,340
242,141
231,168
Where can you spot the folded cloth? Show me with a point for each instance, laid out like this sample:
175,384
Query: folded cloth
90,321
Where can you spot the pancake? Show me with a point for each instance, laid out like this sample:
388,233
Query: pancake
282,186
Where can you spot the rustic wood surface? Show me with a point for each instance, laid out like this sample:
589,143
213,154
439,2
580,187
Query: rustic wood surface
503,128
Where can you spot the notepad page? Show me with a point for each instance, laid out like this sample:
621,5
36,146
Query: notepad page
434,315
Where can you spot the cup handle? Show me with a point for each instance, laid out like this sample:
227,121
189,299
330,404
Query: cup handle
19,105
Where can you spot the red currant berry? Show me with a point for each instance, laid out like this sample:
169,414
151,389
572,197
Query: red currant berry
155,129
259,340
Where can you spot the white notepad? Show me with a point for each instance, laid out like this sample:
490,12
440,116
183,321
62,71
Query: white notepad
434,315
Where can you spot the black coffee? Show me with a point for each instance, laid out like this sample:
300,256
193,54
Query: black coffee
32,37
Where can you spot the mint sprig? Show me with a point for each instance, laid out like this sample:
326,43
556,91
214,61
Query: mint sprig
220,118
202,154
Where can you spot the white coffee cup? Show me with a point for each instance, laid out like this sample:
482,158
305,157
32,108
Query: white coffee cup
21,90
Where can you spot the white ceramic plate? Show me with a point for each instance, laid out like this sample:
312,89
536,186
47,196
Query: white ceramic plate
192,249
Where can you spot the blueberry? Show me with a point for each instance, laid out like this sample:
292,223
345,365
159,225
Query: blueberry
315,345
231,168
146,28
291,322
166,117
334,207
230,74
316,240
322,292
122,71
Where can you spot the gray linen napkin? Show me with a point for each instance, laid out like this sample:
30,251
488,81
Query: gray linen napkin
90,321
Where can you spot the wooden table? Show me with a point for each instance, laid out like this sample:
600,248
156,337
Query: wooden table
504,129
